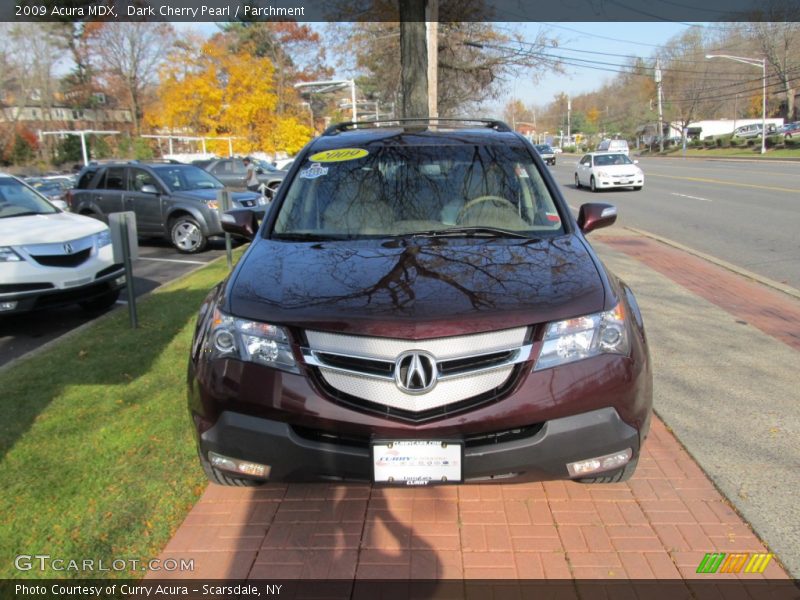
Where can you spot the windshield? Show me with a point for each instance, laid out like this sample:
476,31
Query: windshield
406,190
607,160
181,178
17,199
544,149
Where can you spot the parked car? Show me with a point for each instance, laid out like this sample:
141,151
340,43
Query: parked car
547,153
232,172
603,170
175,201
284,164
419,307
614,146
51,258
790,130
753,131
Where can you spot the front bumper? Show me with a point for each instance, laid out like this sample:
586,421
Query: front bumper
41,295
294,455
613,182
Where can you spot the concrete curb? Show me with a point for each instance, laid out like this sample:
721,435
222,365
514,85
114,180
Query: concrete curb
781,287
73,332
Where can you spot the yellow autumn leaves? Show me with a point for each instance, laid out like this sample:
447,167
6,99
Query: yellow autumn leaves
217,92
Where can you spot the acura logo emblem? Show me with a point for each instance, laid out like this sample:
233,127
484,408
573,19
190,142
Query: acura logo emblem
67,248
415,372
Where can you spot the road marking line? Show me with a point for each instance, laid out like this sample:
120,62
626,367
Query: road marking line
174,260
746,185
691,197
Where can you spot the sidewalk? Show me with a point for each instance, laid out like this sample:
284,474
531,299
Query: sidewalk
714,347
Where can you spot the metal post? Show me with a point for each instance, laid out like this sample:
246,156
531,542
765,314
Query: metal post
230,147
83,148
660,112
763,105
223,205
353,99
126,257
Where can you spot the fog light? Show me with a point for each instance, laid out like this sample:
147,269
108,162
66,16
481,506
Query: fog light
608,462
8,305
238,466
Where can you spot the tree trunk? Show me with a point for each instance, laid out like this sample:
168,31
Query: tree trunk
413,59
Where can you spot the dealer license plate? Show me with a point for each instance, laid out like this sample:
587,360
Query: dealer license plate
409,462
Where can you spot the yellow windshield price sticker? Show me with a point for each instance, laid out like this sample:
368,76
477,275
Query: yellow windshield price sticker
338,155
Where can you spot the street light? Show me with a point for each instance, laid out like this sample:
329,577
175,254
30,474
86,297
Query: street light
756,62
328,86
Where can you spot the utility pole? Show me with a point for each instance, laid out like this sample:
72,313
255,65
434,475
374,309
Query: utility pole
660,113
413,60
569,110
432,31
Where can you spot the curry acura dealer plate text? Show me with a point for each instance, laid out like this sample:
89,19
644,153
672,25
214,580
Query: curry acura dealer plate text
417,462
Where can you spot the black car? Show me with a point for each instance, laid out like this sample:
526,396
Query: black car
420,307
175,201
233,173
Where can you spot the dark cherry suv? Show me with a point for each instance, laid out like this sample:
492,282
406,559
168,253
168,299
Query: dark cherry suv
419,306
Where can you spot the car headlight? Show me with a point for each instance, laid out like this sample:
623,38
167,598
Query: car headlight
103,238
7,254
250,341
602,174
583,337
212,204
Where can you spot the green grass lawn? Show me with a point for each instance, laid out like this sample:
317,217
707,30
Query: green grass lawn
97,458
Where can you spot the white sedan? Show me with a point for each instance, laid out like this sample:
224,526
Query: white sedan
602,170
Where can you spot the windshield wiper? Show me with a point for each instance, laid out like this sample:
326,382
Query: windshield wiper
470,232
304,237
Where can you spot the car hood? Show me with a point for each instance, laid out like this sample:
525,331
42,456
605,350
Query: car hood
416,289
207,195
45,229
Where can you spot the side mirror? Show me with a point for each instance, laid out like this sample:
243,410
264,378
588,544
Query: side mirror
241,222
595,215
260,171
149,188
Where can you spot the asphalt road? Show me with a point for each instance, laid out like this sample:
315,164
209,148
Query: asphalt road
746,213
158,263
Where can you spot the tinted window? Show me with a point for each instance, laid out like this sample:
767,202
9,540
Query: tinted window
140,177
604,160
86,178
114,179
401,190
187,177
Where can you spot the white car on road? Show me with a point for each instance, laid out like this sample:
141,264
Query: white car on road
603,170
52,258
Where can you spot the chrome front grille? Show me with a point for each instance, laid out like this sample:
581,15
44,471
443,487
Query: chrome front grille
382,371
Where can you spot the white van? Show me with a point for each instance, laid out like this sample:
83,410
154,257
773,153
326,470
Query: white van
613,146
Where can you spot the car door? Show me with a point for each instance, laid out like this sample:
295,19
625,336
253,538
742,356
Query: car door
231,172
146,205
584,168
109,191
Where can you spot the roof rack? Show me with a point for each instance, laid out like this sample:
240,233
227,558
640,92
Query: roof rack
350,125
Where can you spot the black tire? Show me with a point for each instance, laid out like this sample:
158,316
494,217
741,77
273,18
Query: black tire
619,476
577,182
186,235
223,478
637,188
103,302
592,185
